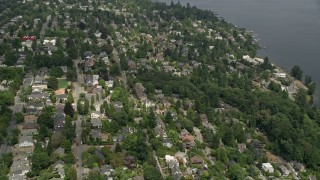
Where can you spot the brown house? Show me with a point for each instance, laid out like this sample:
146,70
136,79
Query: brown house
196,160
185,136
30,118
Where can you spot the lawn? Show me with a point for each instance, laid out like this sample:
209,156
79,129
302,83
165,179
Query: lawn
62,83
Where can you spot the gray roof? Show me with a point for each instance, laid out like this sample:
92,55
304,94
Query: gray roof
96,122
59,121
95,133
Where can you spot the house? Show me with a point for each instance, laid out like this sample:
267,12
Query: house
99,154
189,145
89,80
95,134
27,43
138,178
129,162
176,173
96,123
29,129
280,75
167,142
299,167
117,105
30,118
284,170
196,160
95,114
62,97
106,60
25,141
64,69
248,137
109,84
160,132
148,103
19,168
47,41
106,170
204,118
132,66
35,105
242,147
267,167
97,34
104,137
38,96
118,138
59,168
165,102
174,166
185,136
60,152
58,122
95,80
127,130
87,54
140,91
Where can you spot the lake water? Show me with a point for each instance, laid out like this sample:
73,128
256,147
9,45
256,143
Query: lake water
289,29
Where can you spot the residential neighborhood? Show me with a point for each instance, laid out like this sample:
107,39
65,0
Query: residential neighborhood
142,90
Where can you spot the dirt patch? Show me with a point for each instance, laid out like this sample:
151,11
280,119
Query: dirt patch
275,159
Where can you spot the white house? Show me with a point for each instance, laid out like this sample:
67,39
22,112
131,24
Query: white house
280,75
47,41
267,167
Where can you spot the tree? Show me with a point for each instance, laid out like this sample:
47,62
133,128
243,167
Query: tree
228,137
68,129
82,26
114,70
301,98
68,109
71,173
94,175
107,153
168,118
92,100
307,79
151,172
40,161
56,139
56,71
123,62
266,64
69,158
86,107
10,58
118,148
71,75
70,97
52,83
45,119
19,117
7,98
235,172
311,88
296,72
116,160
108,48
66,144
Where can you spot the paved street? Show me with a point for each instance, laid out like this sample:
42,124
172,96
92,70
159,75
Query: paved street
79,147
45,26
123,73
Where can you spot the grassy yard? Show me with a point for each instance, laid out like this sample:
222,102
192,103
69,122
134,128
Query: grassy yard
62,83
